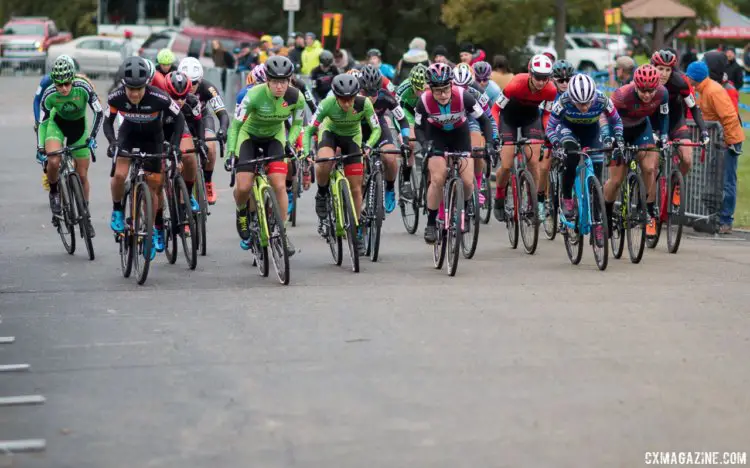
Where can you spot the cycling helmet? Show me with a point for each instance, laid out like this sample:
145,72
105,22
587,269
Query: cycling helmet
372,79
63,70
135,72
550,53
151,70
439,74
258,75
191,67
664,57
345,85
165,57
562,70
279,67
178,84
646,77
540,66
462,75
582,89
418,77
326,58
482,71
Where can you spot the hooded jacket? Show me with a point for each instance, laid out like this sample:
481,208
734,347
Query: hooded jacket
716,105
311,57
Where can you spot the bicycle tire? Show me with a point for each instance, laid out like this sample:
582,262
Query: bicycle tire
573,241
372,216
409,209
202,216
277,236
637,217
454,224
469,248
65,226
511,222
260,252
83,213
598,216
335,242
661,204
485,211
528,212
143,226
185,214
617,236
124,239
295,197
350,224
552,206
170,220
675,215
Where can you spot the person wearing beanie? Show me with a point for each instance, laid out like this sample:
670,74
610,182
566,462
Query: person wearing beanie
440,55
277,46
466,52
716,105
295,53
417,53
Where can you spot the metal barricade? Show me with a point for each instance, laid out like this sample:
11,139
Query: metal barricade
22,66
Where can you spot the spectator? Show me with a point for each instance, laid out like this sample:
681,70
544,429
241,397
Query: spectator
222,60
247,57
416,54
734,70
342,60
440,54
322,75
295,54
746,59
717,106
277,46
501,73
375,59
717,63
624,68
690,56
128,49
466,53
311,53
734,95
265,46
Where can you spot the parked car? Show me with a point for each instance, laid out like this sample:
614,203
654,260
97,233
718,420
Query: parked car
24,41
194,42
616,43
581,52
96,55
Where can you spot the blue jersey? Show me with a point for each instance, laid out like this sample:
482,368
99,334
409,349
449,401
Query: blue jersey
387,71
482,97
43,85
565,113
492,90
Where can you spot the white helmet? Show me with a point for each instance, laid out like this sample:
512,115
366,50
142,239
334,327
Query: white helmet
151,70
582,89
462,75
191,67
540,65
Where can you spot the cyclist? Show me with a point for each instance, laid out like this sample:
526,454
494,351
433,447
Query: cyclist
441,123
63,108
165,59
323,75
210,98
574,123
383,101
262,134
519,112
636,102
144,109
155,79
408,94
680,92
338,123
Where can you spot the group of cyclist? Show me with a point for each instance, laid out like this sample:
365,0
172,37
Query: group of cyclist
441,108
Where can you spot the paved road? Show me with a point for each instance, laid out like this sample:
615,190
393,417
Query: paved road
518,361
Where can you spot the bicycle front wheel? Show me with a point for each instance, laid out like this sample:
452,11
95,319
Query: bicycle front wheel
454,223
551,205
125,239
409,207
511,213
470,238
171,222
528,212
186,227
202,216
350,224
661,204
143,228
485,209
82,210
276,236
372,215
637,216
675,211
598,223
65,226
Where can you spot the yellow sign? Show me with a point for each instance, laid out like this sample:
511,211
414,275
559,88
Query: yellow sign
337,17
612,17
326,26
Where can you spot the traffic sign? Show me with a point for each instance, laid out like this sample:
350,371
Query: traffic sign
291,5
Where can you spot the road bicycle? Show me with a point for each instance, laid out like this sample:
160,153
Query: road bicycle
521,209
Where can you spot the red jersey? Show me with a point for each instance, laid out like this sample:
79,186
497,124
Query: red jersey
388,86
634,111
519,101
159,81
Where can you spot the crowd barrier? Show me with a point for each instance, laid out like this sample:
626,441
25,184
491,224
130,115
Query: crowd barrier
21,67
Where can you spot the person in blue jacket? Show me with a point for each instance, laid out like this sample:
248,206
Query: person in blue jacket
375,58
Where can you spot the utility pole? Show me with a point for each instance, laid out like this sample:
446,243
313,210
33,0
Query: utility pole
560,29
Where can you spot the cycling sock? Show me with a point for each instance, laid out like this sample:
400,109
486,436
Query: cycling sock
390,185
117,206
189,186
541,197
500,193
322,190
208,175
650,206
431,217
610,206
53,187
288,185
159,220
407,172
479,179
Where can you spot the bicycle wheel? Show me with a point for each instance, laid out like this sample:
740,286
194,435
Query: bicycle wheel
637,216
372,215
186,226
511,222
617,236
485,209
439,247
171,222
65,226
350,224
82,210
409,207
551,205
528,212
296,189
573,241
277,235
470,238
661,204
143,227
202,216
125,239
455,223
675,210
598,219
335,242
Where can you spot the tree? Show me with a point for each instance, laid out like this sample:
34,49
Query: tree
71,15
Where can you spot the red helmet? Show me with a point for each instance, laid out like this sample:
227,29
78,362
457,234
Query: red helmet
646,77
178,84
664,57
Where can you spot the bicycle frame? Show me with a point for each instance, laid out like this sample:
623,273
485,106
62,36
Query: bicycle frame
519,164
67,167
260,183
337,176
584,172
661,174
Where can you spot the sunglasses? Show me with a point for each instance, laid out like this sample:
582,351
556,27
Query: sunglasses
441,91
370,92
562,80
646,91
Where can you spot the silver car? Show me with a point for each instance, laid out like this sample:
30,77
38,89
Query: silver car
96,55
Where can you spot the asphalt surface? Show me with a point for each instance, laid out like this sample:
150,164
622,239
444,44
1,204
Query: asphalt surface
518,361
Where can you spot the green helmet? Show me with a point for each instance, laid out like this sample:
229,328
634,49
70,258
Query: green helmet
63,70
418,77
165,57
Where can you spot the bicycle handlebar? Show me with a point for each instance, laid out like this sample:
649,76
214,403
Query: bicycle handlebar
71,149
523,141
221,144
339,157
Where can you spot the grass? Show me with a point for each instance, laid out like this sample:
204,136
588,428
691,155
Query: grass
742,212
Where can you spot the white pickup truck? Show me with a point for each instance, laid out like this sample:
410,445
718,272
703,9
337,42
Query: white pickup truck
579,51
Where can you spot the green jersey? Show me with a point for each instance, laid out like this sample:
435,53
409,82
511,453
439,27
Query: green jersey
55,106
262,115
331,117
408,99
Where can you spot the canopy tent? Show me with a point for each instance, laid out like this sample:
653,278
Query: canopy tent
732,25
658,11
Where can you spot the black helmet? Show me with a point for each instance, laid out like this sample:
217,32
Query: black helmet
326,58
371,78
135,72
279,67
562,70
373,53
345,85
